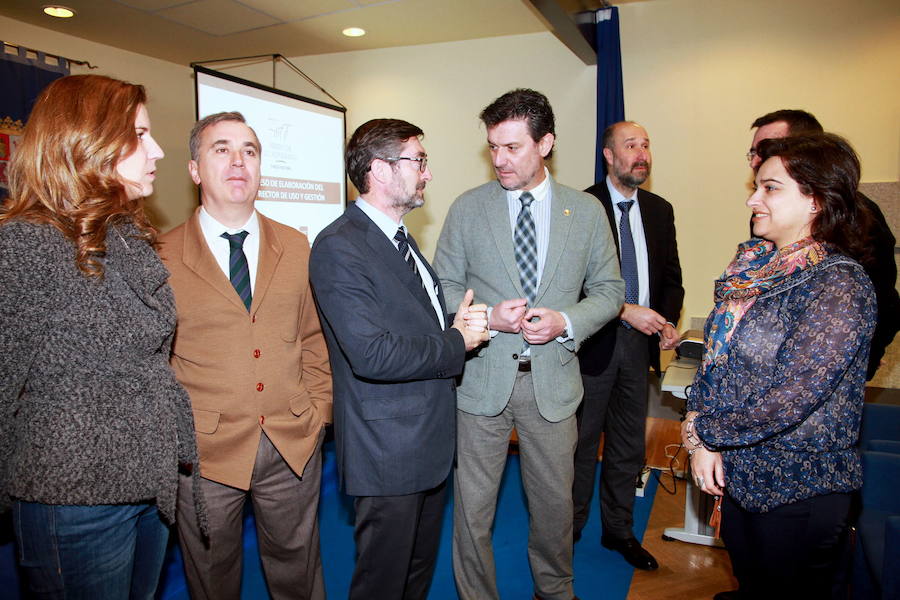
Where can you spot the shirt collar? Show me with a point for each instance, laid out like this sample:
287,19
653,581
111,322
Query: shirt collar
386,224
212,228
617,196
540,192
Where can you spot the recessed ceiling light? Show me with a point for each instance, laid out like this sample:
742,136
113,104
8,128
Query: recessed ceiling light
55,10
354,31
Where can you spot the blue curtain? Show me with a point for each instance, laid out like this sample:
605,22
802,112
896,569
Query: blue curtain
610,97
21,79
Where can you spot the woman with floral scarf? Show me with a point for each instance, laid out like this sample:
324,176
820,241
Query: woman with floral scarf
774,411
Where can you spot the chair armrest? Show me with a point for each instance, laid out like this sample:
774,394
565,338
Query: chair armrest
879,422
891,446
881,482
890,573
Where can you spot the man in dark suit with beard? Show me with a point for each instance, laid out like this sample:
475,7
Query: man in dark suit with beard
615,362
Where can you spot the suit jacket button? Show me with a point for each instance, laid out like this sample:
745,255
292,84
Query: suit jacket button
256,353
262,419
515,357
259,387
253,319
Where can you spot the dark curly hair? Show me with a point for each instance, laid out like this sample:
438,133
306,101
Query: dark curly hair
528,105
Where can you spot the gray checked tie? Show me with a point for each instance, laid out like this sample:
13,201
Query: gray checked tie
525,240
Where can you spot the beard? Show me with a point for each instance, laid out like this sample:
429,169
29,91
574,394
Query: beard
407,201
630,179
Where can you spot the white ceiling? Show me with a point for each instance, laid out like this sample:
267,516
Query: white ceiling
184,31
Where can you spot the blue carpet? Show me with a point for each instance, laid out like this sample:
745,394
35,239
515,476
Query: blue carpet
599,573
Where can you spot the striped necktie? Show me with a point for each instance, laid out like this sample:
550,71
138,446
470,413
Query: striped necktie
406,252
239,271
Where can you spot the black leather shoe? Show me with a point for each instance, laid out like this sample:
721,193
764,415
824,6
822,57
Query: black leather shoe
631,549
732,595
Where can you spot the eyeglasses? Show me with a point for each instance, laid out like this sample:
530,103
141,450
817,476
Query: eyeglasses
751,154
422,160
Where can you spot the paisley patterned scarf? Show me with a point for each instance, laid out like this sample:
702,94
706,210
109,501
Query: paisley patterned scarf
757,267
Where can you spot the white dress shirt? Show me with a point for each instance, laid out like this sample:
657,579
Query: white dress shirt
221,248
541,213
389,228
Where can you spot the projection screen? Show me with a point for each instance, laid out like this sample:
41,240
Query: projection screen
303,180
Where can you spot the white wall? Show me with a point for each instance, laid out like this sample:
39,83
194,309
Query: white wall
443,87
697,72
171,106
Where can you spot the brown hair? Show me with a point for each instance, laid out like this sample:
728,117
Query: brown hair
826,167
528,105
64,170
378,138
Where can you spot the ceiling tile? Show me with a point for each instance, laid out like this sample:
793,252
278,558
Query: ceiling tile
218,17
152,5
197,30
294,10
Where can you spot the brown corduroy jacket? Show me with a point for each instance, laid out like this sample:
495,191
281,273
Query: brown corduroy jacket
266,370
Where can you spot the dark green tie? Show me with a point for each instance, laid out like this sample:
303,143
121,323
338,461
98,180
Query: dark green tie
239,271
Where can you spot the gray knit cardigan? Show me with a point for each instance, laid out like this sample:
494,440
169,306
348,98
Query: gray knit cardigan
90,412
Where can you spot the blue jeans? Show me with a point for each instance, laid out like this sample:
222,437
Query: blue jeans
92,552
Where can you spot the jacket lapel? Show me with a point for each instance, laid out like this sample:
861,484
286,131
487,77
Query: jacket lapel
136,262
386,253
652,235
497,217
198,258
606,201
562,215
434,278
270,251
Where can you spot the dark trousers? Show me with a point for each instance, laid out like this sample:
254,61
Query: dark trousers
286,507
792,551
615,404
397,540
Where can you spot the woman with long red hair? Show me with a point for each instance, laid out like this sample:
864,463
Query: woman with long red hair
93,425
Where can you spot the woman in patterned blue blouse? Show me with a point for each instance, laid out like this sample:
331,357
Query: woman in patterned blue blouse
775,408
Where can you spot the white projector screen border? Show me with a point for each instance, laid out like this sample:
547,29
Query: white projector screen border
303,176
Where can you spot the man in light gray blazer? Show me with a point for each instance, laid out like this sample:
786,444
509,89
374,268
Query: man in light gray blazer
541,256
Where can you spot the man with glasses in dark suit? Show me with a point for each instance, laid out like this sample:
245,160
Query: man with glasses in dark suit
394,354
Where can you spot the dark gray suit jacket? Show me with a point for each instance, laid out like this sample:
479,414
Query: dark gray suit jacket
393,365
